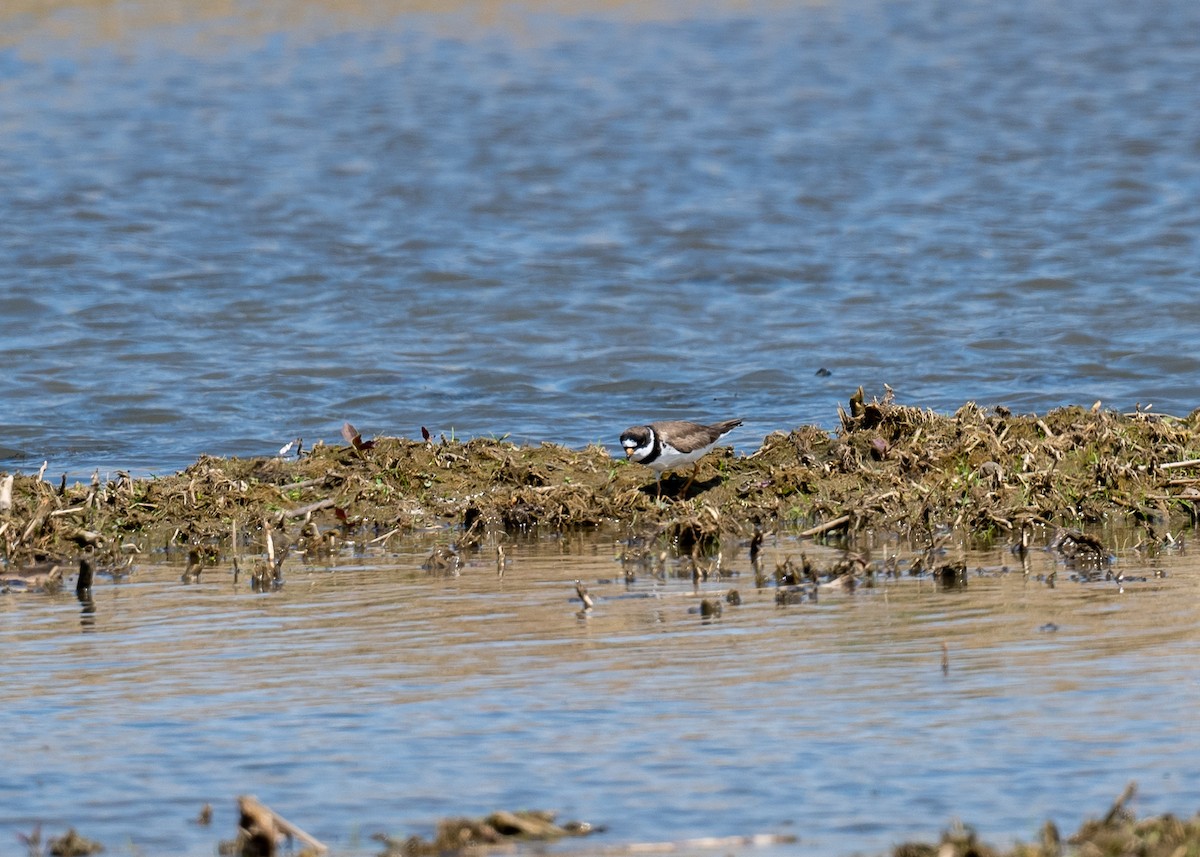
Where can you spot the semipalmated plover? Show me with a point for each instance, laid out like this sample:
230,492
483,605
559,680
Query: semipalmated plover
665,445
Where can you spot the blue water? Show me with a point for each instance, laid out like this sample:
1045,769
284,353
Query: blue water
223,233
223,229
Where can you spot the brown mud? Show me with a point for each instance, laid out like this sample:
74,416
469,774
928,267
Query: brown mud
987,474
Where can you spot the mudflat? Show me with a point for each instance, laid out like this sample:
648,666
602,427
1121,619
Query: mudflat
983,474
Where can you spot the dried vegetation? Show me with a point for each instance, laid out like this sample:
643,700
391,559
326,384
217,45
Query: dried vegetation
890,467
1118,834
263,833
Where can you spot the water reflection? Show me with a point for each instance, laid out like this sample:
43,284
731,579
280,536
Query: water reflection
696,720
87,615
83,593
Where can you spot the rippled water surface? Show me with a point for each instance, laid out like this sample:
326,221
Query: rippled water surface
369,696
225,229
229,225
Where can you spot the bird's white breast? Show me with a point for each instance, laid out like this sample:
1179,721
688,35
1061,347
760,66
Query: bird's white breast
670,457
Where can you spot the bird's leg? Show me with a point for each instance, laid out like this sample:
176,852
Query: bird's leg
691,479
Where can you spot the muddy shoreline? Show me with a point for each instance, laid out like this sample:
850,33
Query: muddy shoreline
986,474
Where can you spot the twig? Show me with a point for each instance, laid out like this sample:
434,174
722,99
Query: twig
384,537
310,508
307,483
74,510
1172,465
1119,806
38,519
708,842
255,814
826,527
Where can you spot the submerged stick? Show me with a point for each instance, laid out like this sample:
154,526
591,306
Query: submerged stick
83,586
233,537
582,592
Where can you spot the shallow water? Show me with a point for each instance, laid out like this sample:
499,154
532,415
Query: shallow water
369,696
227,227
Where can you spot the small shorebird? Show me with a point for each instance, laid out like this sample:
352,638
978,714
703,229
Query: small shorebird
665,445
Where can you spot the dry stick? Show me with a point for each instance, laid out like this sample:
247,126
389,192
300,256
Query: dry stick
384,537
1176,464
309,509
307,483
6,493
38,519
1119,806
1161,498
826,527
74,510
256,809
707,843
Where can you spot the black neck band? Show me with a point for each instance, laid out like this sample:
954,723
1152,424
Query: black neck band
655,448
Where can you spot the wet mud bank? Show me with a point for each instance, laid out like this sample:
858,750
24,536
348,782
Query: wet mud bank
986,474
